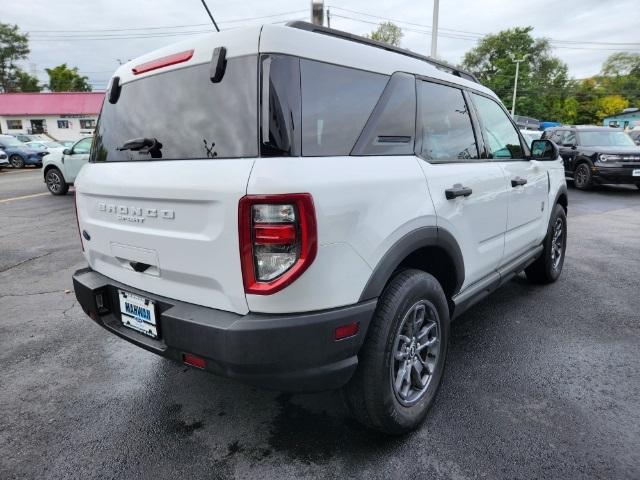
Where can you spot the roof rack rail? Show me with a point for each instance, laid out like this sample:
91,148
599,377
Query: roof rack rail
440,65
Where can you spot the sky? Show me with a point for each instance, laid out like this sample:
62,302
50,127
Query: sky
95,36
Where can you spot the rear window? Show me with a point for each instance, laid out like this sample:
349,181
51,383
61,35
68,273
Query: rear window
191,117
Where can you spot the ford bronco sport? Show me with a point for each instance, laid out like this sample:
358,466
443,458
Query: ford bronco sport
302,209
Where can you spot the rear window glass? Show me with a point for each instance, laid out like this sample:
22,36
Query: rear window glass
336,103
191,117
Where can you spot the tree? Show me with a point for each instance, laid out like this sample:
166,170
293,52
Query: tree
609,105
543,80
64,79
14,46
26,83
387,32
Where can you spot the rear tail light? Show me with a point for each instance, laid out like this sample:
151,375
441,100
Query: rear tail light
77,220
278,240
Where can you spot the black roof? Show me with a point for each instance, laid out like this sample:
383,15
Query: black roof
439,64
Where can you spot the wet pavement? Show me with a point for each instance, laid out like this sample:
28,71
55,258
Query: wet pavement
541,382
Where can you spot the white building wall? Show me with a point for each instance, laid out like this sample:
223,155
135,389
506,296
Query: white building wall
74,132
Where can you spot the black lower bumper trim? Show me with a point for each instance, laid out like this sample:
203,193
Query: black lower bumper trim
288,352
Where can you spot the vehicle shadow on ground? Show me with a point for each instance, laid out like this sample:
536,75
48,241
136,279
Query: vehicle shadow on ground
314,428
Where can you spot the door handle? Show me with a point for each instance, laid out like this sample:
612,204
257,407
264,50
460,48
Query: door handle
518,181
457,191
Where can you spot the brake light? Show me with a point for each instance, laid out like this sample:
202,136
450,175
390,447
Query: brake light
162,62
278,240
75,203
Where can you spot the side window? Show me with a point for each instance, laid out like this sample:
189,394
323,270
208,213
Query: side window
83,146
336,103
392,125
445,128
500,136
568,138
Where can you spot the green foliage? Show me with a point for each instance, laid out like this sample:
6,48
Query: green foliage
64,79
543,79
545,90
387,32
610,105
14,46
26,82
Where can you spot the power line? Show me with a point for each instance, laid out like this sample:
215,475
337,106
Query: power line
236,20
471,35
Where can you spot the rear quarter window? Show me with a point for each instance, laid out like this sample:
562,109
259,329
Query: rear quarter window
336,103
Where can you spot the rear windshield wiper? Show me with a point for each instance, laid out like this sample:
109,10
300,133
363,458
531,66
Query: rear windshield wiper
144,145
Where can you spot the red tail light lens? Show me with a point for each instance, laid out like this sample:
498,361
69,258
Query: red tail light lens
278,240
163,62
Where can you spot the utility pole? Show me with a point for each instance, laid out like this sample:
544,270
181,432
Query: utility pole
515,82
317,12
434,30
328,18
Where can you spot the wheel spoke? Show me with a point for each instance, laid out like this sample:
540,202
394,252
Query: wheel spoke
400,377
418,318
425,331
428,344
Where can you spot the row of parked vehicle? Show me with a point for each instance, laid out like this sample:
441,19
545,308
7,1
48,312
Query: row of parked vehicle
60,160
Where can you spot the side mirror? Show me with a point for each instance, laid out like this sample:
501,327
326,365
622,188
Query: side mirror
66,151
544,150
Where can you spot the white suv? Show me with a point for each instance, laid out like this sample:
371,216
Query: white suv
302,209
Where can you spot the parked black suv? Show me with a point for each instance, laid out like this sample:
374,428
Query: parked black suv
597,155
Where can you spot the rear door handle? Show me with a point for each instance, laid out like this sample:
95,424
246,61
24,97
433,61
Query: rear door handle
457,191
518,181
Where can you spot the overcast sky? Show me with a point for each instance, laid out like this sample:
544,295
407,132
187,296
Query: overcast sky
95,35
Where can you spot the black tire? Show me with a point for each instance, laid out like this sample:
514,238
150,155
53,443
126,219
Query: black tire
55,182
582,177
371,395
16,161
548,267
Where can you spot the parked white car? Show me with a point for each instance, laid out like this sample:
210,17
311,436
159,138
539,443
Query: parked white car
530,135
61,167
324,208
48,145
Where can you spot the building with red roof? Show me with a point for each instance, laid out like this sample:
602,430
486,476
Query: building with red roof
61,115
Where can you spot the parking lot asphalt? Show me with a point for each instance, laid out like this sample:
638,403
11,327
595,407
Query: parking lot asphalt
541,382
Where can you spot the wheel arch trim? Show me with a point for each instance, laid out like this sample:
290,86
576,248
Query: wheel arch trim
411,242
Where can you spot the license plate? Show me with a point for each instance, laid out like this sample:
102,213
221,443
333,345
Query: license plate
138,313
636,173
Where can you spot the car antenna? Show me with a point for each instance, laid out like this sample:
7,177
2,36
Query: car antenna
204,4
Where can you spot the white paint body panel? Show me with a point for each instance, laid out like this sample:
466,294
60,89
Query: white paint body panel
527,205
197,250
478,221
363,206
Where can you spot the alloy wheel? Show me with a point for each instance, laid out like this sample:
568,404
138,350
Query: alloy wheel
16,161
557,243
54,182
581,176
415,353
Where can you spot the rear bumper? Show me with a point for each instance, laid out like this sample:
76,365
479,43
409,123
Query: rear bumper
288,352
615,174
